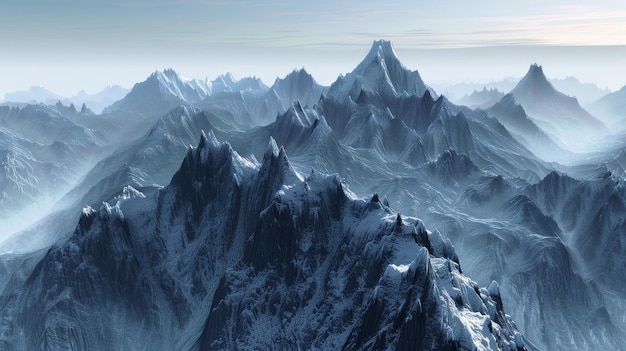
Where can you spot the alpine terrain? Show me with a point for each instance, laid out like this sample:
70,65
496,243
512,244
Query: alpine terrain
370,214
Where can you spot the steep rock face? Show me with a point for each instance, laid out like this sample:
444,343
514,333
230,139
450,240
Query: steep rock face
553,111
237,255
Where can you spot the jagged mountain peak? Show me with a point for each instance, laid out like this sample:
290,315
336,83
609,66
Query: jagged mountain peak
210,170
383,61
212,155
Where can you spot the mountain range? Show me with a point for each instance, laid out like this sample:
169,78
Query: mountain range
241,246
585,93
96,102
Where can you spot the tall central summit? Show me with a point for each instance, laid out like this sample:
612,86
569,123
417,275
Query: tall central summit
382,72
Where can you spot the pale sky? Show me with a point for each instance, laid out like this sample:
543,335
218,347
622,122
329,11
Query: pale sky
68,45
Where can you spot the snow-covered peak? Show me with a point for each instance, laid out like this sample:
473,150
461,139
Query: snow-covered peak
380,72
382,50
189,90
161,92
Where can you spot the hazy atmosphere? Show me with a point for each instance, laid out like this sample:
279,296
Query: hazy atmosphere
332,175
66,46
